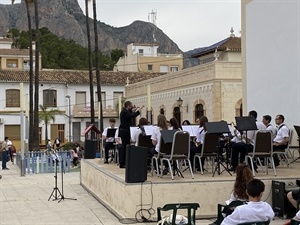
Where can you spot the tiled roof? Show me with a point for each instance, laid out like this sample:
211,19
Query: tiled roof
232,44
6,39
77,77
15,52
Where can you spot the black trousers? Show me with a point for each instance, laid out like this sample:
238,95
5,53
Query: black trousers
239,149
107,147
125,136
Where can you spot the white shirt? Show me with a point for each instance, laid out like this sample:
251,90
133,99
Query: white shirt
104,134
251,212
298,215
251,133
272,129
135,137
156,137
282,132
200,135
9,143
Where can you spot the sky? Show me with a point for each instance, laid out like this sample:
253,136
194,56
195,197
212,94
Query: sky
189,23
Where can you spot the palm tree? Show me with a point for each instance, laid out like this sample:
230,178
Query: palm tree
36,79
47,116
97,66
90,62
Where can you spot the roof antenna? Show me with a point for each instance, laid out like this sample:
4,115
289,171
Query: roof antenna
152,19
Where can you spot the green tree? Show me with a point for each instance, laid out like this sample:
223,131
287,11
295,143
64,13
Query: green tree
116,54
47,116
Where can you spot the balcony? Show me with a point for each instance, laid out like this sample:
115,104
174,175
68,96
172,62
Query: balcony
85,112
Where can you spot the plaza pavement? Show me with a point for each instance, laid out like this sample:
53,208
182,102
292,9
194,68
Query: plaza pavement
24,201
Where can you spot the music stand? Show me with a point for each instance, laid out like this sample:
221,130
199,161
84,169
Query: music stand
297,128
218,128
245,123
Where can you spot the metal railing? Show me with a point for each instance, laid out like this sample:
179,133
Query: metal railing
41,162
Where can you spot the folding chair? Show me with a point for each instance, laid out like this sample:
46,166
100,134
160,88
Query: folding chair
209,149
180,152
190,207
263,148
283,154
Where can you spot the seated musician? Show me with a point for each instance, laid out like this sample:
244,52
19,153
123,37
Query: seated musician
174,125
242,148
109,141
199,141
280,142
142,122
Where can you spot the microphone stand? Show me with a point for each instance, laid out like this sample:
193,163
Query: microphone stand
55,189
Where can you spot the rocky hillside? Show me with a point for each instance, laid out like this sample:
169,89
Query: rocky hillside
66,19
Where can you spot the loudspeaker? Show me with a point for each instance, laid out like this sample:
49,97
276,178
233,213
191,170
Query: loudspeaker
90,148
281,205
136,164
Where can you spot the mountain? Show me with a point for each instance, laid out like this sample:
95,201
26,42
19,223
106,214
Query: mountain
66,19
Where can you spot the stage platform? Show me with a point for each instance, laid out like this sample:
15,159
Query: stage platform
106,182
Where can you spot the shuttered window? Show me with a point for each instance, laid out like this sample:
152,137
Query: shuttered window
12,98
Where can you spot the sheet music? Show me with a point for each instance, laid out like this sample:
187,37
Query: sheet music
192,129
149,129
132,131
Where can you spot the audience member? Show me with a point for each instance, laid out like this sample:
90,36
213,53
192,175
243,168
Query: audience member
242,148
142,122
4,150
57,143
199,141
282,138
293,197
10,153
256,210
74,156
109,141
296,218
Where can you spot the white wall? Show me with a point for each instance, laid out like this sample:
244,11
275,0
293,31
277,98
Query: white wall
272,32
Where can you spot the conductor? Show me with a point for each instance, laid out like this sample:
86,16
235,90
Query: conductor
128,112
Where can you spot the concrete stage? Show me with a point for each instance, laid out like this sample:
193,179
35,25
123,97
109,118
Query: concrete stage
106,182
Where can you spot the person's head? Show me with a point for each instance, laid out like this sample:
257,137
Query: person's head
128,105
203,120
186,122
143,121
253,113
266,119
162,122
279,119
243,176
112,122
6,138
174,123
255,188
76,145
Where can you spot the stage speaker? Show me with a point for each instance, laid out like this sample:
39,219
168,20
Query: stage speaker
281,205
90,148
136,164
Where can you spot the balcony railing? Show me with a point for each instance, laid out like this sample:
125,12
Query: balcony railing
85,111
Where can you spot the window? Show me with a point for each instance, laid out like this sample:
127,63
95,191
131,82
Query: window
176,114
141,52
49,98
12,98
58,131
239,111
173,68
163,69
103,98
80,100
199,111
150,67
116,99
162,111
13,132
12,63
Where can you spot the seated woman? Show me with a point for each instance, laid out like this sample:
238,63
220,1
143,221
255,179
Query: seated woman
243,176
142,122
174,125
186,122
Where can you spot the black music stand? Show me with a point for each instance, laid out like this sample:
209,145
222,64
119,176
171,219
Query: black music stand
245,123
218,128
111,132
297,128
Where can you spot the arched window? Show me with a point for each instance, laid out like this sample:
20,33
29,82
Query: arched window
199,111
241,110
177,114
12,98
162,111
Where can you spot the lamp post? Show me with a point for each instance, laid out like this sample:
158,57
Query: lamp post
69,116
179,103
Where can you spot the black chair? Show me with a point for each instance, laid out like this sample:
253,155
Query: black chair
263,148
209,149
144,141
190,207
256,223
226,208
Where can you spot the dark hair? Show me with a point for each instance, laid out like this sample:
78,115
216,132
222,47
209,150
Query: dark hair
281,117
162,122
203,120
253,113
127,103
112,120
243,176
174,123
187,122
255,187
5,138
143,121
267,117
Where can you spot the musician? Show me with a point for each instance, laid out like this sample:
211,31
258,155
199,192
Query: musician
109,141
142,122
267,122
199,141
280,142
128,112
174,125
242,148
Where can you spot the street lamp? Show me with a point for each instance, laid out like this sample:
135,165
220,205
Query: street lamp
179,103
69,116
